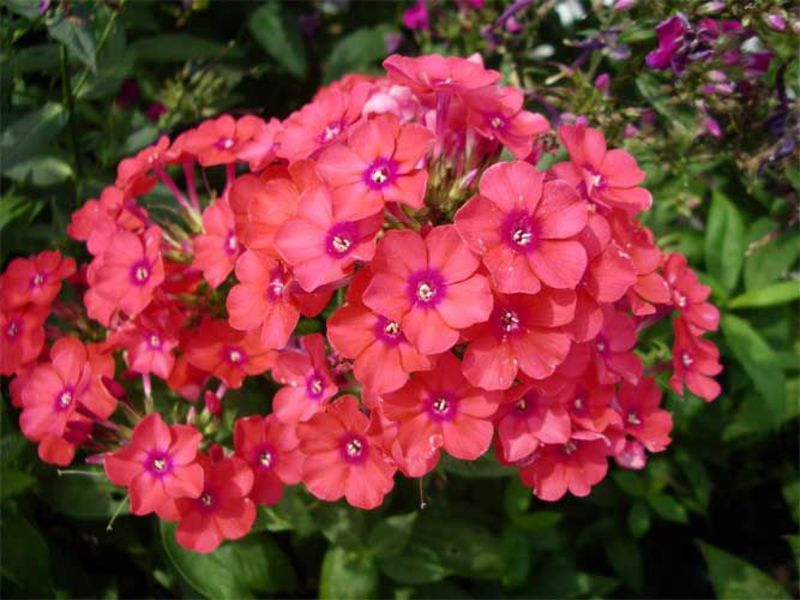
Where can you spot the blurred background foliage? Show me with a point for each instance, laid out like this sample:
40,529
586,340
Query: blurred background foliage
85,84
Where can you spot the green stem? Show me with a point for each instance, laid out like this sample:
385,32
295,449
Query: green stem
69,100
100,44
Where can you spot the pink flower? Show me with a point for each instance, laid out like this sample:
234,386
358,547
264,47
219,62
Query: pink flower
157,466
151,340
262,148
416,17
689,296
574,466
344,456
695,362
613,348
380,163
496,113
435,73
324,239
36,279
216,249
321,122
21,337
440,409
127,274
222,511
271,450
521,227
229,354
609,177
641,416
308,381
521,333
217,141
383,357
429,286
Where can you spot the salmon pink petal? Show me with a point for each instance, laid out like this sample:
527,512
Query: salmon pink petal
511,271
561,213
197,532
513,185
408,189
449,255
236,519
401,252
340,165
539,352
413,143
621,170
478,222
184,446
185,482
428,331
152,433
490,364
325,475
466,303
55,450
467,438
635,198
123,465
559,264
146,494
386,294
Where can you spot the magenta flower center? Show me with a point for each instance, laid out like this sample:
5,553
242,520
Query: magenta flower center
680,299
633,419
388,331
509,321
331,131
64,398
519,231
442,405
154,341
277,284
341,239
354,448
380,173
594,180
315,385
265,457
602,345
37,280
231,243
687,360
569,447
233,355
140,272
426,288
159,464
224,143
207,500
13,328
497,122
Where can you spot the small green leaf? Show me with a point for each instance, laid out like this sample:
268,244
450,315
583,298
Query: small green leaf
638,519
773,255
791,493
668,508
516,557
19,210
417,564
724,241
517,499
26,557
40,171
626,560
174,47
84,496
26,8
78,39
341,524
241,569
734,578
760,363
15,482
279,35
778,293
30,134
539,520
391,535
347,574
357,53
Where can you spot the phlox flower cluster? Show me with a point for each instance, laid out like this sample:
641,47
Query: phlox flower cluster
463,301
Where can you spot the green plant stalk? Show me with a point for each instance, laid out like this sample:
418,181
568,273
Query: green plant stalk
100,44
69,100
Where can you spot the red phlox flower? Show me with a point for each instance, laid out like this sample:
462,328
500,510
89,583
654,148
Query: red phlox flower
217,141
689,296
521,333
381,162
440,409
36,279
22,334
630,455
271,449
609,177
429,286
308,381
496,113
521,227
262,149
216,249
141,166
223,510
157,466
574,466
612,350
398,100
324,239
344,458
590,403
98,221
695,361
435,73
150,341
186,380
322,121
228,354
642,417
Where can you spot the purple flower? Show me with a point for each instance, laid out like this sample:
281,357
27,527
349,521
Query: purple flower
392,41
416,17
603,83
672,35
775,21
43,6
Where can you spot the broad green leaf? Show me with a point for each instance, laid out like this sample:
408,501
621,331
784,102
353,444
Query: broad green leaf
417,564
778,293
760,363
626,559
517,499
487,466
724,241
246,568
30,134
25,8
668,508
26,557
638,519
358,52
347,574
463,547
89,496
15,482
341,524
38,58
539,520
791,493
279,35
734,578
391,535
516,557
772,257
77,37
40,171
18,210
175,47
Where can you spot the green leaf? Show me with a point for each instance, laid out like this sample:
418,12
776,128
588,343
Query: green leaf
638,519
347,574
78,39
538,521
26,557
242,569
791,493
487,466
668,508
465,548
734,578
40,171
760,363
26,8
84,496
771,257
417,564
174,47
626,559
516,557
19,210
517,499
30,134
15,482
778,293
41,57
358,52
341,524
279,35
391,535
724,241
